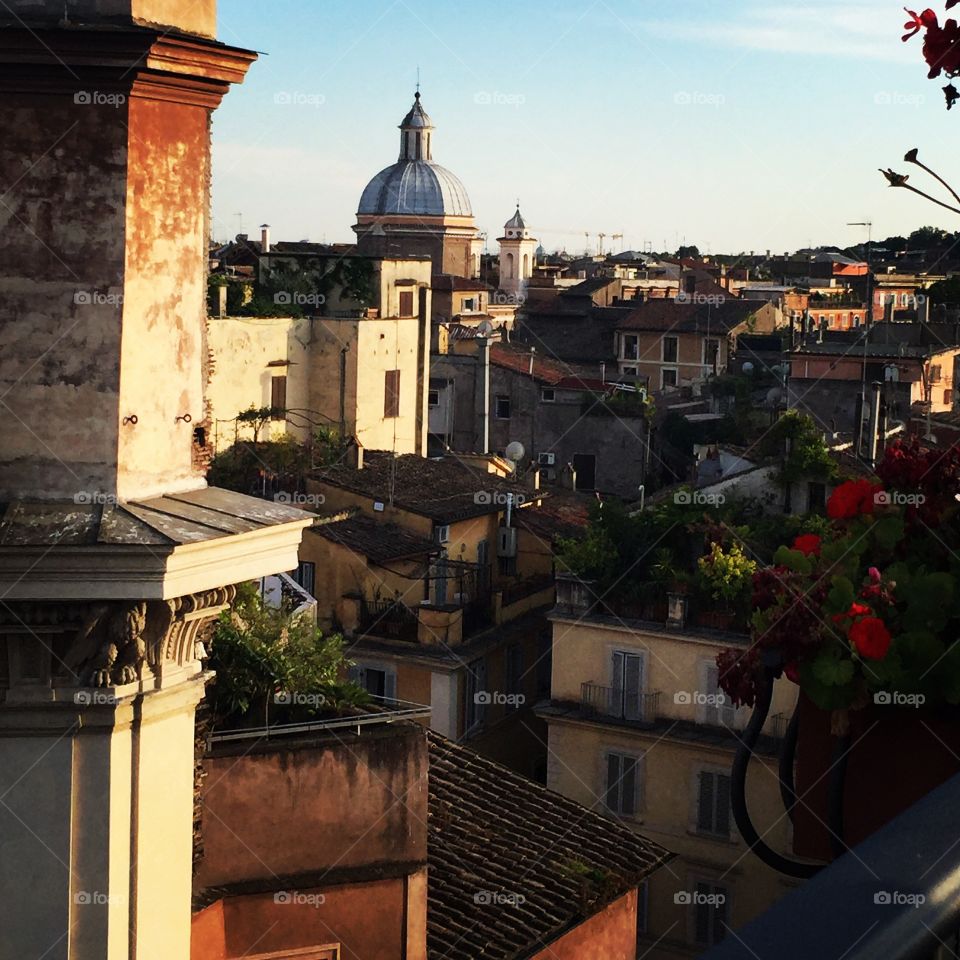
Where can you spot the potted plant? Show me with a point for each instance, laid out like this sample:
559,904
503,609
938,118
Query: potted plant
725,576
865,619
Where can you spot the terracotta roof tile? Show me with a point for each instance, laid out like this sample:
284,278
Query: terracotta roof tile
507,858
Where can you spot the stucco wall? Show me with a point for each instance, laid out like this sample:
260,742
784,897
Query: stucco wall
263,816
610,934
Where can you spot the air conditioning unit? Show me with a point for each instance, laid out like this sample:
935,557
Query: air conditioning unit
507,542
547,459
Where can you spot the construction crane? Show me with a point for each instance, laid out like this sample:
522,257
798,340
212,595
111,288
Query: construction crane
600,247
618,236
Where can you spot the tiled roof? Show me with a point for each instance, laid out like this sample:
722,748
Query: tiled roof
446,281
444,490
379,542
668,315
494,835
546,369
573,338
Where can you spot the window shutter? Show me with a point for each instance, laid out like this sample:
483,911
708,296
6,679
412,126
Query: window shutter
391,393
720,916
616,697
702,932
613,781
629,791
723,804
632,686
711,714
278,394
705,803
390,685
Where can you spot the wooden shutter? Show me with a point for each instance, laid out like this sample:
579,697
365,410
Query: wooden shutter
632,687
705,804
391,393
723,804
628,793
278,396
406,303
613,782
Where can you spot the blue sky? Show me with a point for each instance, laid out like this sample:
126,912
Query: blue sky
736,126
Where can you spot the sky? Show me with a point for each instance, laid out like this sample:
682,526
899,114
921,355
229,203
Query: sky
736,126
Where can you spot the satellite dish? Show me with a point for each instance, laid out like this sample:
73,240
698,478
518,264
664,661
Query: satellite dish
515,451
485,328
748,367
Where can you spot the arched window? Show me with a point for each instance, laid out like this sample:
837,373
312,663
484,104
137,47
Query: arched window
526,266
508,273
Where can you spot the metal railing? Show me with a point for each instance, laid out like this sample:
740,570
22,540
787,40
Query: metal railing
612,702
388,618
383,710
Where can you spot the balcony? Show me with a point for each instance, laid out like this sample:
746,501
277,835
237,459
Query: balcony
896,896
614,704
388,618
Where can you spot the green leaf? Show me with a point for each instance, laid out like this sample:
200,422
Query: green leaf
928,602
888,532
840,597
793,560
827,696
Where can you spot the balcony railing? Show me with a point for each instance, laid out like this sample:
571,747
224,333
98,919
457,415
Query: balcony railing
617,704
895,896
388,618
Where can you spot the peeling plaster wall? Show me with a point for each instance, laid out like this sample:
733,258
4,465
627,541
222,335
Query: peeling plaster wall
62,171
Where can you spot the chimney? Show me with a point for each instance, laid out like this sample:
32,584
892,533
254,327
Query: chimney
264,237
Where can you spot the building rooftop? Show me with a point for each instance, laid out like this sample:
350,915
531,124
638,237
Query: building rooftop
378,542
445,490
697,317
546,369
446,281
492,833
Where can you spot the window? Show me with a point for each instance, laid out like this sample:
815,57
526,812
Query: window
406,303
710,913
548,395
627,687
713,803
502,408
717,708
668,377
306,575
629,371
469,305
377,681
630,347
816,497
856,319
935,373
514,672
441,533
711,352
585,467
391,393
278,397
433,398
670,347
476,695
623,783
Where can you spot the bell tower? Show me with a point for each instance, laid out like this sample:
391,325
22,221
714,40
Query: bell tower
518,249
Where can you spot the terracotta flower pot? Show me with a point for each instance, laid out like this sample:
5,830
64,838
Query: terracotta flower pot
897,755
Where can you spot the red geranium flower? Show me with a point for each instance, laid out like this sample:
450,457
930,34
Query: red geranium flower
808,544
918,21
856,610
852,498
871,638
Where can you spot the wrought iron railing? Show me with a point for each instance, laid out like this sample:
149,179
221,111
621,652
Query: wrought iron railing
388,618
617,704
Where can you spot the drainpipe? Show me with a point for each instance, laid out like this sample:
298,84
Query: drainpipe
483,360
874,422
343,392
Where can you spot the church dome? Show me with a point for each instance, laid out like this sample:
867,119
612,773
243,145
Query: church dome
416,188
415,185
